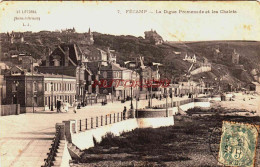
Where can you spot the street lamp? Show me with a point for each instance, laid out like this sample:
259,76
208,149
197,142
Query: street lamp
166,94
16,88
136,111
131,105
51,96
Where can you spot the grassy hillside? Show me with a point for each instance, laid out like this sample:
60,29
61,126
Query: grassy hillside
218,53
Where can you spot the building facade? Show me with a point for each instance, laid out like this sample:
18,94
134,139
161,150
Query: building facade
66,59
26,90
58,87
39,92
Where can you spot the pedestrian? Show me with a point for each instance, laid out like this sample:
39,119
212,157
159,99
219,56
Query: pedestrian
124,112
58,106
75,105
66,106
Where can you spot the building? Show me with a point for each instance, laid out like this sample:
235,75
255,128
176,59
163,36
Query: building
67,59
114,72
254,86
3,69
235,57
15,37
58,87
190,58
39,92
89,38
94,54
26,90
153,37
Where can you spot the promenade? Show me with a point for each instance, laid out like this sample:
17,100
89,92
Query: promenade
25,139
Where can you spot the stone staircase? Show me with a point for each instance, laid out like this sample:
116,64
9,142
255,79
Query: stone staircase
74,151
58,158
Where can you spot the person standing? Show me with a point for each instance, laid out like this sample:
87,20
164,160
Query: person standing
124,113
66,106
75,105
58,106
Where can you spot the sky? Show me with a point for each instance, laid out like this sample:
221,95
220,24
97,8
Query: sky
120,18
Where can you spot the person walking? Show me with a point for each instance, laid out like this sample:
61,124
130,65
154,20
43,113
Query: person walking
66,106
58,106
75,105
124,113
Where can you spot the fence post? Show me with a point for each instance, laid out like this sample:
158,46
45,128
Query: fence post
86,123
101,120
80,125
110,118
91,122
96,121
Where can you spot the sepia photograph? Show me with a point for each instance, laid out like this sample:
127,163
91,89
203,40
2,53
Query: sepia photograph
129,84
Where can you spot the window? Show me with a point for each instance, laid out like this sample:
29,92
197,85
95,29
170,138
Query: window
46,100
35,101
105,74
14,87
35,86
45,86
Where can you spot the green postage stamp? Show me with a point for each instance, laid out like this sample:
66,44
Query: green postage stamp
238,144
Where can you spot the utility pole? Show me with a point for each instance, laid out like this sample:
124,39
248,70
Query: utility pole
151,87
131,105
112,92
16,85
51,96
167,114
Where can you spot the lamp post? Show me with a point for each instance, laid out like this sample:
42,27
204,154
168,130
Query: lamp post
166,94
131,105
51,96
136,111
112,92
16,87
151,87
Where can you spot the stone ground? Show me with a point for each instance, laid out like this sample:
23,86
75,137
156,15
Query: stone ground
250,102
25,139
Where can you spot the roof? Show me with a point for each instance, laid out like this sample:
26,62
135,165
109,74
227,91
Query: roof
4,65
256,83
55,76
75,53
113,67
17,67
89,71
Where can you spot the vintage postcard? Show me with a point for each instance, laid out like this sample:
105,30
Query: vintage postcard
120,83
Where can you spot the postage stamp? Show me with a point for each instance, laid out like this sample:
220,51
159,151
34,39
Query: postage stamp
238,144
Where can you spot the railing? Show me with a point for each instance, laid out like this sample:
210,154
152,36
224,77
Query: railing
95,122
172,104
53,150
